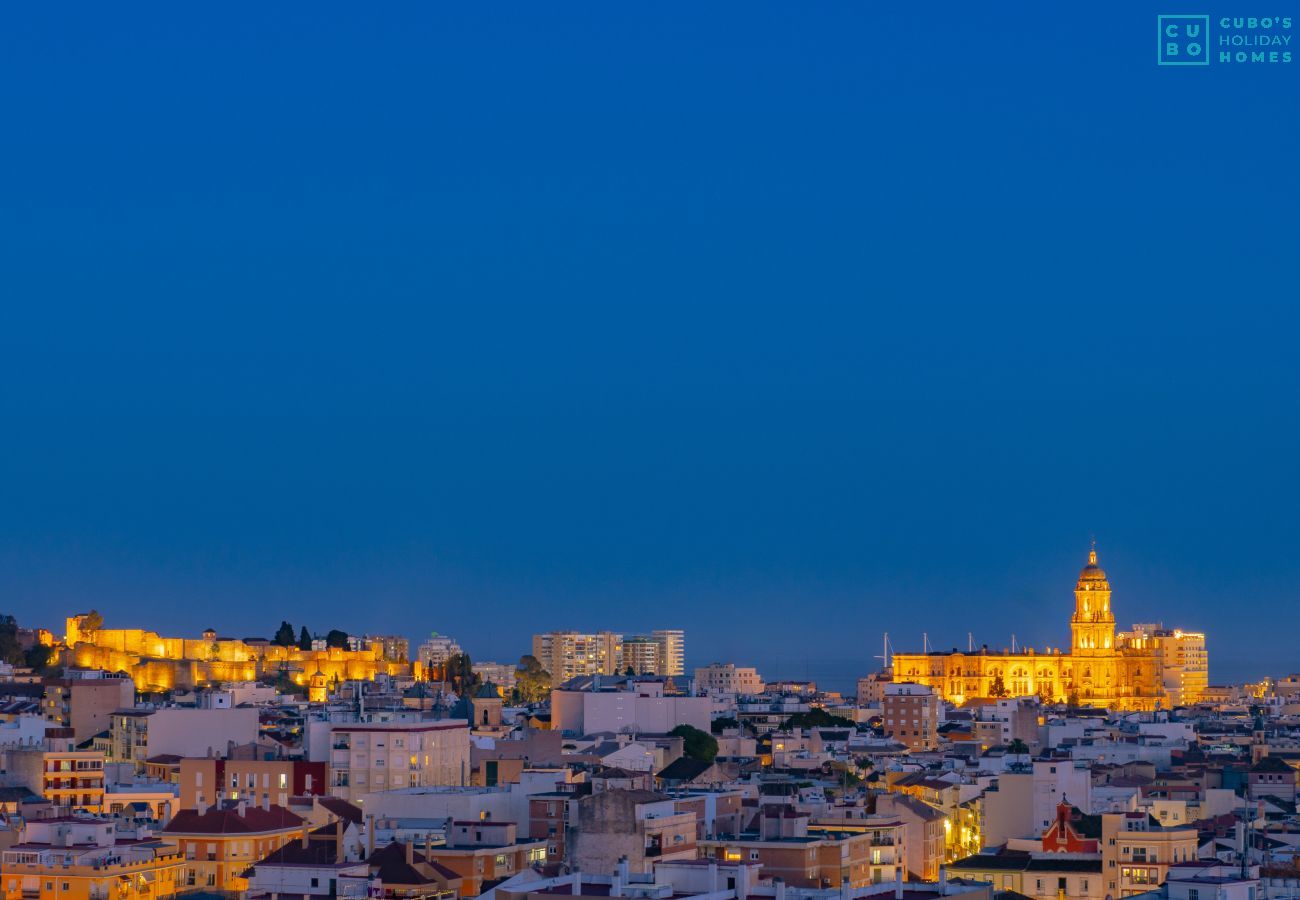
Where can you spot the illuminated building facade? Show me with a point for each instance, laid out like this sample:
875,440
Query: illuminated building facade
1127,671
157,663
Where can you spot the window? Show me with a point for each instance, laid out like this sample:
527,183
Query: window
284,780
1193,894
315,882
753,855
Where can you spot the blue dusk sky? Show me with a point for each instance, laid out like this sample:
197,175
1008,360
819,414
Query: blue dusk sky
786,323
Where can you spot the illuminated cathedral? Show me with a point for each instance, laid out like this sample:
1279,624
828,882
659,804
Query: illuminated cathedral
1147,668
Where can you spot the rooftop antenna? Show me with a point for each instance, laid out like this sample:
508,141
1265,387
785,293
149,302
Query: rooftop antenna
970,642
1013,643
925,642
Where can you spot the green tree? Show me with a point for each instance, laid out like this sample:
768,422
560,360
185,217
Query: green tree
92,622
1018,747
630,671
283,635
459,673
697,744
38,658
845,774
10,650
998,688
717,726
532,682
336,638
304,639
816,718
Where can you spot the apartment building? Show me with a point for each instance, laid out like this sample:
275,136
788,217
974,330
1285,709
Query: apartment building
911,715
639,705
1182,656
483,851
394,648
141,734
205,780
672,651
814,857
570,654
639,826
82,858
219,843
85,701
641,655
65,777
435,651
367,757
1136,852
728,678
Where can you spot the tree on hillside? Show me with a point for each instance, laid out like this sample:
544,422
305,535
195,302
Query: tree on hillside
38,658
696,744
336,638
10,650
92,622
283,635
532,682
304,639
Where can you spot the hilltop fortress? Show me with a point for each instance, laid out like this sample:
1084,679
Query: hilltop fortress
159,663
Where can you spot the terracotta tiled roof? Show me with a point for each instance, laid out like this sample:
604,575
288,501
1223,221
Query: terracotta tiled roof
227,820
343,809
391,867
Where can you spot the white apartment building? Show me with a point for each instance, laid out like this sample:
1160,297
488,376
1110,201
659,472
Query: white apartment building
138,734
638,707
571,654
728,678
368,757
574,654
672,651
437,650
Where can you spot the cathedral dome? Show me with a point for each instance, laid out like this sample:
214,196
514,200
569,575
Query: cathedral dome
1092,575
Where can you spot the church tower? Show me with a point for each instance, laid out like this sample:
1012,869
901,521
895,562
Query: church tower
317,689
1092,627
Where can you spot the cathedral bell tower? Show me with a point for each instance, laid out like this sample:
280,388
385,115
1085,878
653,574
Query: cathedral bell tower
1092,627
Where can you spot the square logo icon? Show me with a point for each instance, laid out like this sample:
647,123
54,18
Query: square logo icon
1182,40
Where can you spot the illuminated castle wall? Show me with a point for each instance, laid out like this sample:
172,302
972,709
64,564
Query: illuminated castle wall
1101,668
162,663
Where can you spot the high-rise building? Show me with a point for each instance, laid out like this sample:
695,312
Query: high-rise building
641,655
570,654
672,651
437,650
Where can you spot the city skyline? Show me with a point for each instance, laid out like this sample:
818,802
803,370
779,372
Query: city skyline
835,673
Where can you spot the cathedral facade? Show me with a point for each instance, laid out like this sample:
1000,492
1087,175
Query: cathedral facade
1101,668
